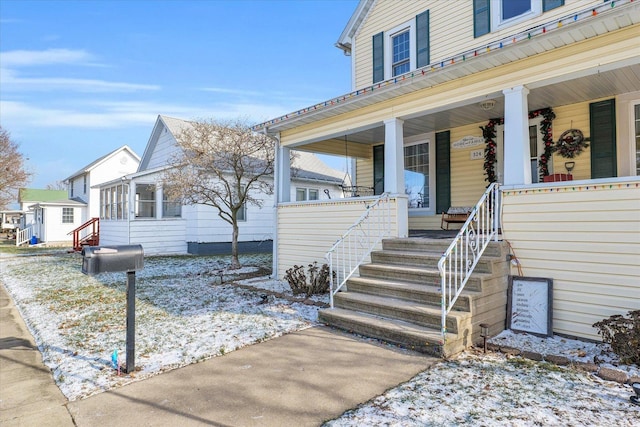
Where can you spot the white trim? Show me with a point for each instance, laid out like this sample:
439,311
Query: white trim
388,47
625,129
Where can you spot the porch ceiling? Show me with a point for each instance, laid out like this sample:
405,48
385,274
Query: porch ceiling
600,85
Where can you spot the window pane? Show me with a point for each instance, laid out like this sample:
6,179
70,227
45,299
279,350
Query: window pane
301,194
313,194
242,213
170,208
146,200
416,175
513,8
533,146
400,60
67,215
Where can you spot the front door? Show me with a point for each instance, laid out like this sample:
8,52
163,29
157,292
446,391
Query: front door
536,148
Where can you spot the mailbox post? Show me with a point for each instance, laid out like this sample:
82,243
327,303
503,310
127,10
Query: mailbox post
127,258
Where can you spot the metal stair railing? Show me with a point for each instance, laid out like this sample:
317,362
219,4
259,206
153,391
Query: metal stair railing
24,235
92,236
461,257
355,245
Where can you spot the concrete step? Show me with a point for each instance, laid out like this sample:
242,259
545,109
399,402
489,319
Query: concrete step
423,259
419,293
393,308
420,275
407,335
419,244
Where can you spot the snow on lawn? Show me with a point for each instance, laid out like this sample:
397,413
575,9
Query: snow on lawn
497,390
183,314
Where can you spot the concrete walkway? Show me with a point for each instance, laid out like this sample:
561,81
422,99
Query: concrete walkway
28,395
300,379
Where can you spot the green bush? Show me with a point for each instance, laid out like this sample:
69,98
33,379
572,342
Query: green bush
623,335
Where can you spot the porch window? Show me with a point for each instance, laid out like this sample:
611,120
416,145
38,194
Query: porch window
145,201
67,215
114,202
171,207
416,174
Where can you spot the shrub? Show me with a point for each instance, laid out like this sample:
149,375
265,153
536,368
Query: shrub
623,335
318,279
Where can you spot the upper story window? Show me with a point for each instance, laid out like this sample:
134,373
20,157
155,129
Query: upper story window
401,56
84,185
402,49
492,15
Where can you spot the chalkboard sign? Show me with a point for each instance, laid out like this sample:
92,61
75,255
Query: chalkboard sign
530,305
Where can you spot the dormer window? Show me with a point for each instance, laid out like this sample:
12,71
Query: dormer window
401,49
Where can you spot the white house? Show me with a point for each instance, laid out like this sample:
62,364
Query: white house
135,210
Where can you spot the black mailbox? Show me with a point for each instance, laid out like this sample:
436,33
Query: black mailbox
106,259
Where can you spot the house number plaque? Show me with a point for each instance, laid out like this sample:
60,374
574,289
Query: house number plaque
530,305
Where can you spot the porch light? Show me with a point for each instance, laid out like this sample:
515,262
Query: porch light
569,166
488,104
484,333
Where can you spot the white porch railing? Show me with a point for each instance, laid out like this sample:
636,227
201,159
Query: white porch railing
459,260
355,245
24,235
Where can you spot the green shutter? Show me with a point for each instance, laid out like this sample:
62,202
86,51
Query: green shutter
551,4
603,139
422,39
378,169
443,171
378,57
481,18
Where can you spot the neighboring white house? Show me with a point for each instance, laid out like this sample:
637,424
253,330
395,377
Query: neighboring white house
117,163
135,210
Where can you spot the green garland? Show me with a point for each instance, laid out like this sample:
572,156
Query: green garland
490,150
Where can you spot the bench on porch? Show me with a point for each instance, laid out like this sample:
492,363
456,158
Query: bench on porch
455,215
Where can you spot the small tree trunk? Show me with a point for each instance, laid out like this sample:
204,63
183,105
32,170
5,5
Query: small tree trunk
235,262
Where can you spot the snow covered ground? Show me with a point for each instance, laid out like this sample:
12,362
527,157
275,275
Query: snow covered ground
184,315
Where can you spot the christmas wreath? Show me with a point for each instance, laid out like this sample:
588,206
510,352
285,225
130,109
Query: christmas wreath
570,144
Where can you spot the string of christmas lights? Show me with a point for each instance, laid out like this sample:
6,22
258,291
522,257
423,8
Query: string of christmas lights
566,188
467,55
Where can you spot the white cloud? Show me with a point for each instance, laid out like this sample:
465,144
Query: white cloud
23,58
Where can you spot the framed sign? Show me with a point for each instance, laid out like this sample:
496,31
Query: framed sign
530,305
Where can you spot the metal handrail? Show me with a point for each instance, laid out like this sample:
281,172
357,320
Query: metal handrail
355,245
461,257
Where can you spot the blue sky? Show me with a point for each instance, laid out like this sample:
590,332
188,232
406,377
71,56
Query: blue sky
79,79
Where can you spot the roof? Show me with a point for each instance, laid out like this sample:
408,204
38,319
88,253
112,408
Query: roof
345,40
567,30
99,160
64,203
38,195
172,124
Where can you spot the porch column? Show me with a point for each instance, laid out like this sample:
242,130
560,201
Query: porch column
517,153
283,173
393,156
132,201
159,212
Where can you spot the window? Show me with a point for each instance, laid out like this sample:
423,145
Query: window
400,64
67,215
242,213
402,49
491,15
535,151
416,174
114,202
145,201
171,208
303,194
84,185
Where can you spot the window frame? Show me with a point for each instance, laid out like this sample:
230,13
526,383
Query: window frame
68,218
409,26
307,194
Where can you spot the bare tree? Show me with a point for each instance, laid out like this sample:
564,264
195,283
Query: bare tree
13,174
57,185
223,164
